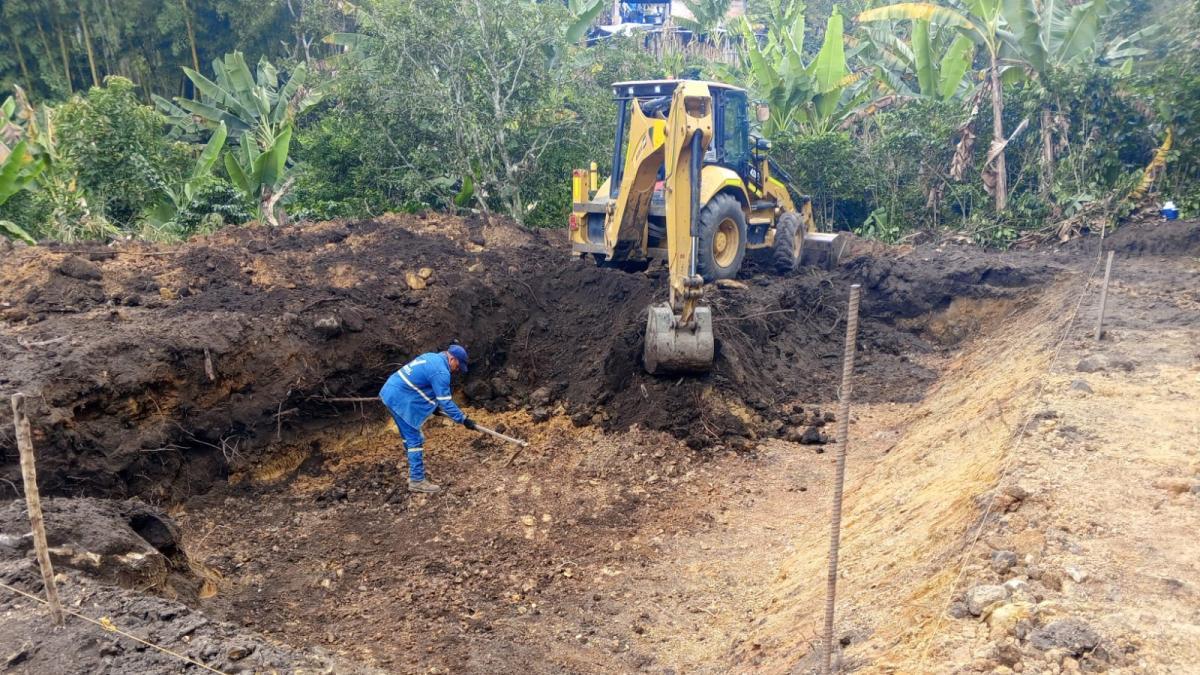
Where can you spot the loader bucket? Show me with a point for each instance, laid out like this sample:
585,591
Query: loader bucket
674,348
822,249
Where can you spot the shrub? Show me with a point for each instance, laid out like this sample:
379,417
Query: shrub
116,149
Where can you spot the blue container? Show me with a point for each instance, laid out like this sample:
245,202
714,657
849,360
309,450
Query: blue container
1169,211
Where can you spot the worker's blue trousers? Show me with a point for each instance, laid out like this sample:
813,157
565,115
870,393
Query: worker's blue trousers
414,445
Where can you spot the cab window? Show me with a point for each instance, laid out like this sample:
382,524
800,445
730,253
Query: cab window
735,129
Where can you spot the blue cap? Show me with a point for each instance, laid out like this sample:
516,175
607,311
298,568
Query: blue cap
459,352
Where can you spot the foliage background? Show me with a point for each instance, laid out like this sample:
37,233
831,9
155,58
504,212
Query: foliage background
487,105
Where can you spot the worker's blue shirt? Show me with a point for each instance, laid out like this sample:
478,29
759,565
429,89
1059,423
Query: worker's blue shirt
421,386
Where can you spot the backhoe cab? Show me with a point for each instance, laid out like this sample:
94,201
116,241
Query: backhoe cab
691,185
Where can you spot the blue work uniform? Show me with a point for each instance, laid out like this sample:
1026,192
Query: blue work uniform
411,394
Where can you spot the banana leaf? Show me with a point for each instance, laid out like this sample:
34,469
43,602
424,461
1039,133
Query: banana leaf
829,67
582,21
18,170
13,230
239,177
955,64
924,57
235,71
269,166
918,11
1076,35
463,198
214,116
219,97
208,157
1022,19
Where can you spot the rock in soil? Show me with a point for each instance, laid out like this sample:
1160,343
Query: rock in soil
1073,635
981,597
812,436
78,268
1003,561
1081,386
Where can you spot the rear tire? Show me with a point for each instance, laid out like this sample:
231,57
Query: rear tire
722,245
789,243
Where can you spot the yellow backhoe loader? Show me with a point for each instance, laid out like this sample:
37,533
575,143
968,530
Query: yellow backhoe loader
691,185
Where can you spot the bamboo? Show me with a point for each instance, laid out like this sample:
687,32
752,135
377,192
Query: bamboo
34,502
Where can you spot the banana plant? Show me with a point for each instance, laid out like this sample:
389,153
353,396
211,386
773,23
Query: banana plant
178,197
807,97
936,57
18,170
248,104
1056,35
708,17
583,13
985,21
260,174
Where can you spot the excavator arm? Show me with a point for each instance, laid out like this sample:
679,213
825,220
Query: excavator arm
679,336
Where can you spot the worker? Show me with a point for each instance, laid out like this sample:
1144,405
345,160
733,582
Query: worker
412,394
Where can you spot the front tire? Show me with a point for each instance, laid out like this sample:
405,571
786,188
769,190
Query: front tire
789,243
722,245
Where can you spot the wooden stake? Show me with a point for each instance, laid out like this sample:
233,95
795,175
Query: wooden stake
34,502
1104,295
835,521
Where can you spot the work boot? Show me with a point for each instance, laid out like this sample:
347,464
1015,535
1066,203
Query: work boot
423,486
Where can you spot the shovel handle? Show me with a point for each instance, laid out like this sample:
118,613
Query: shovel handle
516,441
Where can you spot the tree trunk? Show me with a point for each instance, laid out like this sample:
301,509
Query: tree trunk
616,12
998,137
1047,150
21,60
45,41
87,43
62,46
187,21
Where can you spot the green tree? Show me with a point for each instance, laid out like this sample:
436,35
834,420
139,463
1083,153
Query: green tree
115,149
481,109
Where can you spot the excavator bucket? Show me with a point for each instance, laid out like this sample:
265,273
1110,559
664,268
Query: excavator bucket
671,347
822,249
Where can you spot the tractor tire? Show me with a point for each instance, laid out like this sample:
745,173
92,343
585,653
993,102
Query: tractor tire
789,243
722,245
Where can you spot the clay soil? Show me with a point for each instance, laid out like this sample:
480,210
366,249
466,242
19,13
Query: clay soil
183,412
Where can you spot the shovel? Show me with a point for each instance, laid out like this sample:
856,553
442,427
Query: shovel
492,432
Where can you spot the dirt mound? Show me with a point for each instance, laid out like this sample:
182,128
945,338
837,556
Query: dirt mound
153,371
125,543
1157,237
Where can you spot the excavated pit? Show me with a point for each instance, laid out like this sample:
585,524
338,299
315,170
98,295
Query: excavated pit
154,372
199,378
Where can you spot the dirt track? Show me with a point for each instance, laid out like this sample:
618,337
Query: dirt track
691,542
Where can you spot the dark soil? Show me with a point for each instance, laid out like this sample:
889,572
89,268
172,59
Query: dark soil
31,645
1156,237
115,346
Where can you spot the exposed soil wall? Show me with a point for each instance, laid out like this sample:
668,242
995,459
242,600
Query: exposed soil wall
153,371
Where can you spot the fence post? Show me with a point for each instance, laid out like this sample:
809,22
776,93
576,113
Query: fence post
1104,295
843,440
34,503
